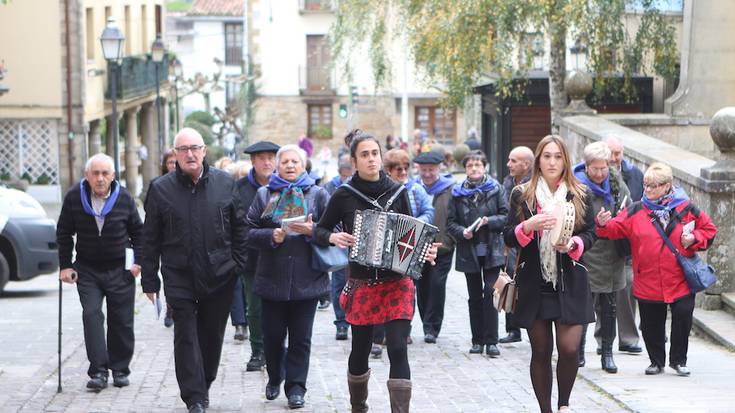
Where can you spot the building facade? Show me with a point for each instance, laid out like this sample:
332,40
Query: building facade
58,106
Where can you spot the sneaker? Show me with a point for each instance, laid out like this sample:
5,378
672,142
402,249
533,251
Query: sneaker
429,338
681,370
512,337
341,333
630,348
376,351
241,332
654,369
97,382
257,361
492,350
323,304
168,320
476,349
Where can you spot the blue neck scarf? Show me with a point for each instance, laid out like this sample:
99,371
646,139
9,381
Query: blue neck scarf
441,184
663,206
599,190
337,181
109,203
252,180
468,189
289,202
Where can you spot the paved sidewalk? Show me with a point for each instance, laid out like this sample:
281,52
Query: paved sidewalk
445,377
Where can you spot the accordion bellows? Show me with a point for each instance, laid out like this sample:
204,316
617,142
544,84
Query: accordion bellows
391,241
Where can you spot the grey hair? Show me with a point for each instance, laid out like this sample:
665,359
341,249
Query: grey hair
596,151
100,157
291,148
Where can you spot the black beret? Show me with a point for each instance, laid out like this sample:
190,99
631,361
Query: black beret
262,146
429,158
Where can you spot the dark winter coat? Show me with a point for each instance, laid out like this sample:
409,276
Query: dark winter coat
284,270
441,203
657,275
103,250
246,192
463,211
196,231
573,287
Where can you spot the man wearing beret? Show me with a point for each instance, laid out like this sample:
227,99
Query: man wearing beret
431,288
263,157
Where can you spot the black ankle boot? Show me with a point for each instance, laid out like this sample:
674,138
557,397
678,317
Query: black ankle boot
580,356
607,330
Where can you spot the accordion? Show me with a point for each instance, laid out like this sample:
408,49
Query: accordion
391,241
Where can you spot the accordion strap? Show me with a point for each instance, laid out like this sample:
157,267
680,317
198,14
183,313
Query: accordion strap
374,202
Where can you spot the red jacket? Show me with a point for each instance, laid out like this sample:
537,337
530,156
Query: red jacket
657,275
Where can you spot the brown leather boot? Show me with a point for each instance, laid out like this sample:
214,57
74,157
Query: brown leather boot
400,395
358,386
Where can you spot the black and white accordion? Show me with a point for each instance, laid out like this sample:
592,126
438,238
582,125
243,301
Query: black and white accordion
391,241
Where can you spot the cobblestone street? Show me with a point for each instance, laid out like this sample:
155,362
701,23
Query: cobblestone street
445,377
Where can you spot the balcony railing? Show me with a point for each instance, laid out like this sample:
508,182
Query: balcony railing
316,6
136,76
317,80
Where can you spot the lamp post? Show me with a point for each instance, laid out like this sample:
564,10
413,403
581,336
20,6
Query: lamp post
178,73
158,50
112,40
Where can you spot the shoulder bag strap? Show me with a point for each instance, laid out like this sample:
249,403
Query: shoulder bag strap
666,239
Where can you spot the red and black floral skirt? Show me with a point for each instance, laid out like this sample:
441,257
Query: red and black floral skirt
366,304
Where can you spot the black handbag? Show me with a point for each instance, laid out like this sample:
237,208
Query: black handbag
699,274
328,259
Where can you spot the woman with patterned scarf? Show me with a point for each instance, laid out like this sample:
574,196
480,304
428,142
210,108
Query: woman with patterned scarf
553,288
479,200
604,260
284,278
658,280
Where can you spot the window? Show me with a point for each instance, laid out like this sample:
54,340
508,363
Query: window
91,41
233,44
158,19
232,93
320,121
437,122
318,57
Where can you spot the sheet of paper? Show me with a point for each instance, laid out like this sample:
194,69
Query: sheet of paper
157,307
129,258
688,228
286,221
474,225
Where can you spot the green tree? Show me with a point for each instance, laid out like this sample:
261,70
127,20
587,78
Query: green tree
461,43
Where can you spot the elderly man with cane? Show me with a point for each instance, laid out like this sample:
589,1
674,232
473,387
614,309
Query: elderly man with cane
104,217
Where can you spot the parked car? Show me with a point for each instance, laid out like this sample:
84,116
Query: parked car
27,238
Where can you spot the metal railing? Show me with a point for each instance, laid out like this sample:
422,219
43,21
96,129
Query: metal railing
136,76
317,80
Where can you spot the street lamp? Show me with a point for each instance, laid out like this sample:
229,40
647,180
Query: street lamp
158,50
112,40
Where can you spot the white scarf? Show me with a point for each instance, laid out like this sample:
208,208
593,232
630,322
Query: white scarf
546,200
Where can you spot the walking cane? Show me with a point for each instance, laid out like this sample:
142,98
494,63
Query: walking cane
58,389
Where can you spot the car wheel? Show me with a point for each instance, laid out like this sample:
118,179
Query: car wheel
4,272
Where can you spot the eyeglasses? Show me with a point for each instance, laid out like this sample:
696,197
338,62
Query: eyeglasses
192,148
602,170
653,186
400,168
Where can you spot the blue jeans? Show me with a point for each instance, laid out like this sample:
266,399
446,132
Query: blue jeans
339,278
238,309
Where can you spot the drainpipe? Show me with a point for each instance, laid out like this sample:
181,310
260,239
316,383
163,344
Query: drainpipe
70,136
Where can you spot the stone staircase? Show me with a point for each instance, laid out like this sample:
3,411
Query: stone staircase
718,325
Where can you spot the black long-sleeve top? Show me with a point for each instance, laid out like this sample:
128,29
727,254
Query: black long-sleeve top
341,210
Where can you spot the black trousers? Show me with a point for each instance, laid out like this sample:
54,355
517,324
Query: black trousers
117,286
295,319
431,294
653,327
483,315
199,331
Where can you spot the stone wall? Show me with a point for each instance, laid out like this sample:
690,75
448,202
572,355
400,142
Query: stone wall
717,198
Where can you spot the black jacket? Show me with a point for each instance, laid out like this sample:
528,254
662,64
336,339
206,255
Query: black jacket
246,193
463,211
573,285
102,251
197,232
341,210
284,270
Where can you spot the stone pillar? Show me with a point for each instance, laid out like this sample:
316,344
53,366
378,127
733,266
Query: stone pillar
94,139
578,85
148,133
707,80
131,150
720,178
